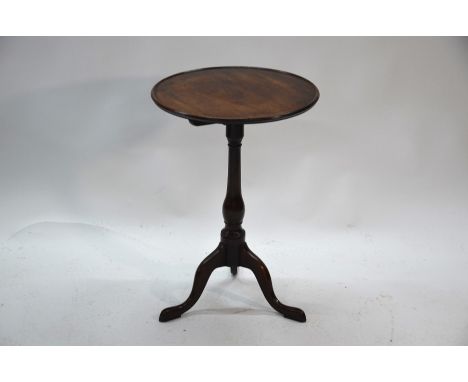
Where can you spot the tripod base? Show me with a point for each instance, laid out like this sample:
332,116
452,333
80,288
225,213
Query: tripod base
232,256
233,251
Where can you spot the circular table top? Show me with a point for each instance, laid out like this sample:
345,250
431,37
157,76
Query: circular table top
235,95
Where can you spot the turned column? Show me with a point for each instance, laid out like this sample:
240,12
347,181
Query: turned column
233,236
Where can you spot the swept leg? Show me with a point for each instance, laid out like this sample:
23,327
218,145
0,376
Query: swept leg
214,260
248,259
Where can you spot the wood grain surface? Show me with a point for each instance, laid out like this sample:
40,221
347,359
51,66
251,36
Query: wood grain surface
235,94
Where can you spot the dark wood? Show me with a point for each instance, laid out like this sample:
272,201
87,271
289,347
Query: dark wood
214,260
235,95
238,95
233,251
199,123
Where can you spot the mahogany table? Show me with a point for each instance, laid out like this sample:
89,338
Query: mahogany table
234,96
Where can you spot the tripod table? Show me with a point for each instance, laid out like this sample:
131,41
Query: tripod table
234,96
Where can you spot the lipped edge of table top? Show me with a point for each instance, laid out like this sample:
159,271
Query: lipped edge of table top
193,118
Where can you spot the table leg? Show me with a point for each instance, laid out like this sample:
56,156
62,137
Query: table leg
214,260
232,250
250,260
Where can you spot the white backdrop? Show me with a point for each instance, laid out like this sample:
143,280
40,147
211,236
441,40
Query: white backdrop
108,204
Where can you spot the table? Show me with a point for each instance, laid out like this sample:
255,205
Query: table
234,96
